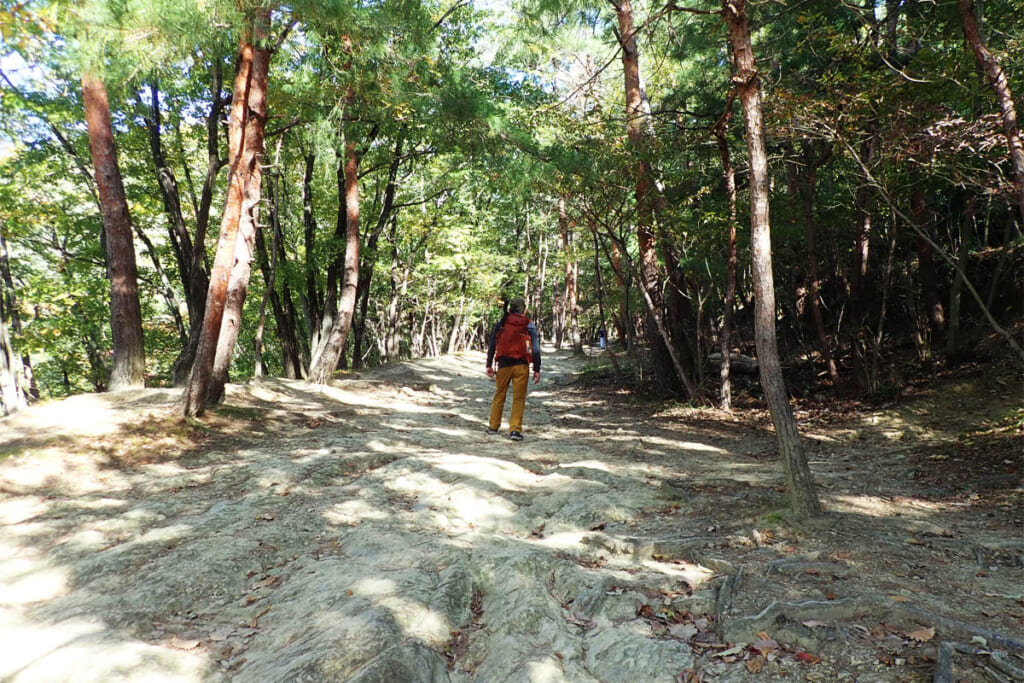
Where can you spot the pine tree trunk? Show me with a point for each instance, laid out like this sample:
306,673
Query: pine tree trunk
323,367
730,264
1001,86
314,298
241,163
812,161
199,277
129,366
799,483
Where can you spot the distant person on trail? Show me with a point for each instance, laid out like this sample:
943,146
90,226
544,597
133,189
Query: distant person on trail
513,347
602,337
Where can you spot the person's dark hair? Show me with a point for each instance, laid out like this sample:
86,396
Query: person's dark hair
517,306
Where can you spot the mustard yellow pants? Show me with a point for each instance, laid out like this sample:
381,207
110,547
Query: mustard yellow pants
517,376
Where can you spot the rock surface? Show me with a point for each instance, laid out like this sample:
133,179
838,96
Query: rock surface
384,537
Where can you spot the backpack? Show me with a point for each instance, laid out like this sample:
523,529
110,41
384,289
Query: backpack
513,340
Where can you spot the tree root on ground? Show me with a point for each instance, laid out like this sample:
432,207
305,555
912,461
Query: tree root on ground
944,672
747,628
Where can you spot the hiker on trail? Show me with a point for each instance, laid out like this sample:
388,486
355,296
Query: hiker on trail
602,337
512,349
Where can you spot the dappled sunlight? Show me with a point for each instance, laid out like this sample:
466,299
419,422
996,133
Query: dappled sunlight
85,651
26,577
352,512
17,510
415,619
693,575
673,444
876,506
502,473
546,670
377,521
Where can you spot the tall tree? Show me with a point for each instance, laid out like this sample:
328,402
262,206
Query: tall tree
323,366
637,118
803,497
1001,86
248,100
129,364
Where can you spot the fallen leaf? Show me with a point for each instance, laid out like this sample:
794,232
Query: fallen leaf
898,598
732,651
599,526
763,647
645,611
806,658
755,665
812,623
922,635
763,635
265,583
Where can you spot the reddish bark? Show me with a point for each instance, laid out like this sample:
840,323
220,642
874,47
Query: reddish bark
194,398
129,368
637,118
241,269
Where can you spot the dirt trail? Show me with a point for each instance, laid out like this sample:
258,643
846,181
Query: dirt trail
373,531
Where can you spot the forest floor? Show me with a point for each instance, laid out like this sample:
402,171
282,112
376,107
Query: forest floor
373,531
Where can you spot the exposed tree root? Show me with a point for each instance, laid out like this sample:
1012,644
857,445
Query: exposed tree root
944,672
746,628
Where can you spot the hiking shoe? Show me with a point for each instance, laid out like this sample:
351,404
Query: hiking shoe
515,436
492,431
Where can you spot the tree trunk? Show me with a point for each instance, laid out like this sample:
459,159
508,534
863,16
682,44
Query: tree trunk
314,298
241,269
369,253
9,302
129,366
859,268
199,278
571,274
623,329
181,241
730,264
242,163
636,120
1001,86
268,266
927,278
953,342
323,366
799,483
12,394
812,161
